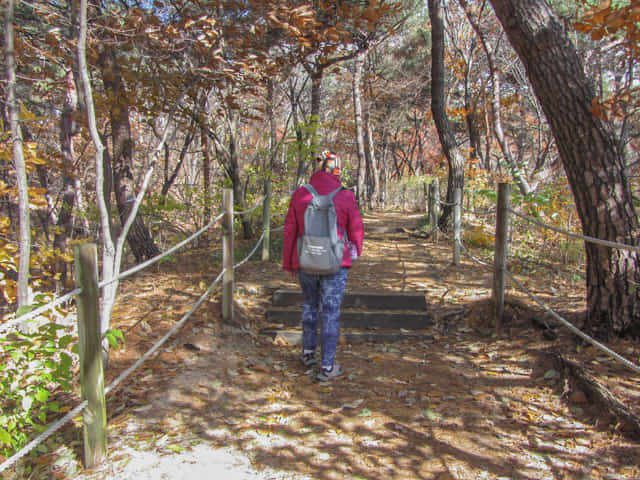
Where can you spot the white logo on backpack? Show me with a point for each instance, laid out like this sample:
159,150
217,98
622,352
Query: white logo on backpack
320,248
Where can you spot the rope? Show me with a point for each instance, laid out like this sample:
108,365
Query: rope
72,413
34,313
447,204
115,383
559,318
481,212
244,212
155,259
586,238
475,259
574,329
42,437
166,337
255,248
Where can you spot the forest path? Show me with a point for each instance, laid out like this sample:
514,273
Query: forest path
220,401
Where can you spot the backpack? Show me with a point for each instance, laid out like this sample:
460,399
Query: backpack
320,249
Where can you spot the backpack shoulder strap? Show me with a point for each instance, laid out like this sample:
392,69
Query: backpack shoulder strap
311,190
335,192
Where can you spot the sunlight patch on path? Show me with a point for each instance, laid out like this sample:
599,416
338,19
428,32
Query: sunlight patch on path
202,462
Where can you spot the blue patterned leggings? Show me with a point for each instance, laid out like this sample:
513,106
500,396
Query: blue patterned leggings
328,291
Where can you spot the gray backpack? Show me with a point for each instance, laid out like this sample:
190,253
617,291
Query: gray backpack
320,249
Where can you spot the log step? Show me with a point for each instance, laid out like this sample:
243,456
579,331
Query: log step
371,300
294,337
360,319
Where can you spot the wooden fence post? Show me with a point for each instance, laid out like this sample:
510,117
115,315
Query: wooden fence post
404,197
457,224
227,255
90,352
434,198
500,258
266,222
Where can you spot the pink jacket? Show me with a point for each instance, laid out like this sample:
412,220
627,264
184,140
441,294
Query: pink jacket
349,219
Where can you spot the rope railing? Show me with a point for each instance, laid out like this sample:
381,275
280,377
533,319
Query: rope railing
245,212
70,295
578,236
39,311
503,203
126,373
78,409
572,327
490,211
557,316
157,258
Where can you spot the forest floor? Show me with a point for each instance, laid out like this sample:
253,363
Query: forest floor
222,401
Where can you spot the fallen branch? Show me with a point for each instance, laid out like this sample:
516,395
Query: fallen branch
580,379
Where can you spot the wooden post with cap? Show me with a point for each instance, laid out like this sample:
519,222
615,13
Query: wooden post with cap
227,255
500,255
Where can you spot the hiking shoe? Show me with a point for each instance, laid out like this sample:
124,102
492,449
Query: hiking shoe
308,359
325,375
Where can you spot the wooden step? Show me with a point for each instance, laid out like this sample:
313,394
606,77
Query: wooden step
294,337
362,319
371,300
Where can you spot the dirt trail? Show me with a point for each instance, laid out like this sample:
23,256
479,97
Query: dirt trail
459,405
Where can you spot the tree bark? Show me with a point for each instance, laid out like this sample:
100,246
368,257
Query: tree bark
65,216
206,174
139,238
470,107
592,161
374,190
357,108
18,159
496,106
455,159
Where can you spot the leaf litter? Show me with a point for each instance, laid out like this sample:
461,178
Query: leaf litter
460,404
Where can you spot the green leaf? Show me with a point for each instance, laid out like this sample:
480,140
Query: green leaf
64,342
365,413
113,342
25,309
113,336
118,333
41,395
65,360
550,374
5,438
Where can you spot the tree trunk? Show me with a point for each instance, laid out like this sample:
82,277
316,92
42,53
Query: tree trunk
357,107
206,174
496,106
108,248
373,162
470,107
228,155
455,159
594,166
169,179
18,158
139,238
301,172
65,216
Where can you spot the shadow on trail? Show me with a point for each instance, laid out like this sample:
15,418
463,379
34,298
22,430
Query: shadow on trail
416,410
459,406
